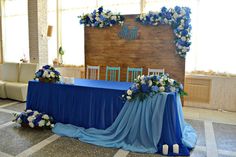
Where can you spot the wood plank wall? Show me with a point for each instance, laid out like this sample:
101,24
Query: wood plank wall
154,48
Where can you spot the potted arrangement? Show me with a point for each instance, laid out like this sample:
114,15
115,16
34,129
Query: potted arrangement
33,119
47,74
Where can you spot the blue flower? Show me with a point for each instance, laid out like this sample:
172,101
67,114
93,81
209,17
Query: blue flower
155,88
39,73
100,10
163,9
177,9
144,88
46,67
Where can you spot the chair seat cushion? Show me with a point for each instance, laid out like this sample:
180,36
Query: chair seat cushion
16,90
2,90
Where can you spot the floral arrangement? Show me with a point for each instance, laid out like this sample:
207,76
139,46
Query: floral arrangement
47,74
101,18
145,86
34,119
178,18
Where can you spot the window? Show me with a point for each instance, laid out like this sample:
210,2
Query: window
212,29
15,30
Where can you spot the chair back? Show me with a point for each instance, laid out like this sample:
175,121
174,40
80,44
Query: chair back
155,71
133,73
93,72
112,73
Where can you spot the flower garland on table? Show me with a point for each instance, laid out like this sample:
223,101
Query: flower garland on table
178,18
34,119
145,86
101,18
47,74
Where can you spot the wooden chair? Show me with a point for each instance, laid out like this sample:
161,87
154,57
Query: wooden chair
112,73
155,71
134,72
93,72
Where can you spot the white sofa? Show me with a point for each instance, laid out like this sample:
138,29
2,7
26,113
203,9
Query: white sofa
15,77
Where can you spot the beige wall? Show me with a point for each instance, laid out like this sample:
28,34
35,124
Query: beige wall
222,92
0,71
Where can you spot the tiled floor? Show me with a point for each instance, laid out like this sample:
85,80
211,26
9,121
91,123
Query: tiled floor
216,137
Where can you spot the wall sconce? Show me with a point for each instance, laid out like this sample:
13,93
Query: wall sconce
49,32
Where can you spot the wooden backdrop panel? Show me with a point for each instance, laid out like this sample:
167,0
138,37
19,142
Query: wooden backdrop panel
154,48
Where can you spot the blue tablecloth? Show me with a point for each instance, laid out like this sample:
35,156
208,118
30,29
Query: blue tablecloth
87,103
141,126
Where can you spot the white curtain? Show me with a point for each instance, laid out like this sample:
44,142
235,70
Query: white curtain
15,30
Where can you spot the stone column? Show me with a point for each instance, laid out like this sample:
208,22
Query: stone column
38,42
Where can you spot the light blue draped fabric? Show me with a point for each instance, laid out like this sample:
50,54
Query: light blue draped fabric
140,127
189,135
141,137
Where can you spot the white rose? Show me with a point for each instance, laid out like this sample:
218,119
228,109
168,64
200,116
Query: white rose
30,118
138,77
129,92
162,89
41,123
36,112
48,124
172,89
45,73
171,81
19,121
143,82
45,117
28,111
31,124
142,77
52,74
165,20
183,38
150,83
128,97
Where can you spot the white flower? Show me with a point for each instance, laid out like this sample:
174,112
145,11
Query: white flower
143,82
36,113
171,81
150,83
113,18
19,121
48,123
52,125
128,97
172,89
123,96
41,123
183,38
27,111
162,89
129,92
165,20
45,117
142,77
45,73
30,118
52,74
182,21
31,124
138,77
175,15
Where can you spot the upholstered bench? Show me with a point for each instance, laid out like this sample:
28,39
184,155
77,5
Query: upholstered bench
15,77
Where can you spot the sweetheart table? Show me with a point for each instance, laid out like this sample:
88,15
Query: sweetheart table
93,112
